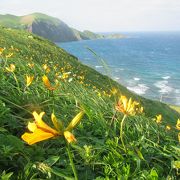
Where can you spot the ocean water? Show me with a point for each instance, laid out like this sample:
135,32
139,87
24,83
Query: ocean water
146,63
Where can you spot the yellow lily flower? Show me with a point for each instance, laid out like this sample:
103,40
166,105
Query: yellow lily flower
128,107
29,80
40,131
168,127
65,75
178,124
48,84
1,50
159,119
114,91
31,65
11,68
46,68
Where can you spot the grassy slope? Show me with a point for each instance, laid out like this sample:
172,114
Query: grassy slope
151,149
10,21
177,108
17,21
56,54
23,22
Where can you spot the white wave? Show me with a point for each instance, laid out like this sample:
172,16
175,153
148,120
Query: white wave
116,78
166,77
163,86
118,69
131,83
136,78
139,89
98,67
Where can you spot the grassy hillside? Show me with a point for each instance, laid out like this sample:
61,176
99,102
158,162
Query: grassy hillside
112,142
26,20
177,108
50,28
46,26
11,21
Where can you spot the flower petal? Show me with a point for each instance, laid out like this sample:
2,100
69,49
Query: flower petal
69,137
124,102
32,126
41,124
178,124
48,84
57,124
37,136
46,81
75,121
129,105
29,80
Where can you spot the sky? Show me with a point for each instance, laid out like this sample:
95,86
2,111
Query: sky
104,15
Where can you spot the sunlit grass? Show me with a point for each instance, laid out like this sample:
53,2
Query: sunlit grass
177,108
118,135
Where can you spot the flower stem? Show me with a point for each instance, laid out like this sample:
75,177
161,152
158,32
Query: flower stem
17,83
121,132
71,161
114,115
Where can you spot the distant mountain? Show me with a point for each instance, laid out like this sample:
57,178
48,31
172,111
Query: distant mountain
48,27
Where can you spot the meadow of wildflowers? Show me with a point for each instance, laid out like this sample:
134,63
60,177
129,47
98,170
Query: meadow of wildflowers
60,119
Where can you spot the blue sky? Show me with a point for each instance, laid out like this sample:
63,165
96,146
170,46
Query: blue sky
104,15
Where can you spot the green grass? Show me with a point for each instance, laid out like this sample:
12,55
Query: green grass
21,22
177,108
152,152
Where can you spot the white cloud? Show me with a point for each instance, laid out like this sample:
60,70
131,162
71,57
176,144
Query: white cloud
104,15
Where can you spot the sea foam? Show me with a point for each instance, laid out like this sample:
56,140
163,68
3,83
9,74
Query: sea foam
98,67
166,77
136,78
163,86
139,89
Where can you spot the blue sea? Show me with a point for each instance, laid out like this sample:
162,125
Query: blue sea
146,63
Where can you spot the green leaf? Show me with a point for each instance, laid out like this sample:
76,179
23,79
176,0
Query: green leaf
58,172
51,160
2,129
5,176
154,174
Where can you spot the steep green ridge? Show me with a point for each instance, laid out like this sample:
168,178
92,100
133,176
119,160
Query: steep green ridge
50,28
108,146
40,24
47,27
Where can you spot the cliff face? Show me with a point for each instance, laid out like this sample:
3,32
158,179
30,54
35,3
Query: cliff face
49,27
46,26
55,32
